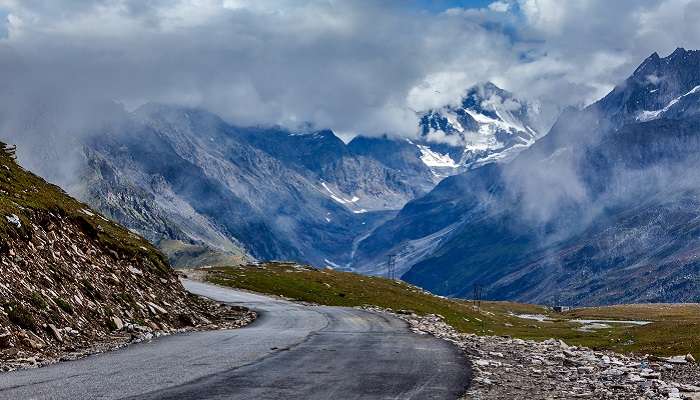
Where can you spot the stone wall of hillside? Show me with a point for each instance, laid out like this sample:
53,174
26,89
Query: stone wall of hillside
63,294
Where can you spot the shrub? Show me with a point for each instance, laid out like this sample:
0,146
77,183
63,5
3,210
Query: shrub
65,306
19,316
38,301
110,324
89,290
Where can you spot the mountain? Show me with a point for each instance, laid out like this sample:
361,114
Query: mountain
360,180
659,87
489,124
207,191
601,210
70,278
186,175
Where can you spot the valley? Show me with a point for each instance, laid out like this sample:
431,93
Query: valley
207,191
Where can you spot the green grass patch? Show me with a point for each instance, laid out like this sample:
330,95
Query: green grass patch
65,306
674,329
38,300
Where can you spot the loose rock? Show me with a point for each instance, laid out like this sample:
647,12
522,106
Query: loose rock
554,370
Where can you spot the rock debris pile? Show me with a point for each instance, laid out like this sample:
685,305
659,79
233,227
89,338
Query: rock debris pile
64,297
507,368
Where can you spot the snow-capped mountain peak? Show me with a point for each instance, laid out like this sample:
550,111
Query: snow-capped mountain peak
659,87
489,124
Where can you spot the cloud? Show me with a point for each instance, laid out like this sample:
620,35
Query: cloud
578,50
355,67
350,66
499,6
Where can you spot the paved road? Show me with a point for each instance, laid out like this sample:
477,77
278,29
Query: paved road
290,352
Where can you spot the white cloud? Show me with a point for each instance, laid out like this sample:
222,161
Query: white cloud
359,66
499,6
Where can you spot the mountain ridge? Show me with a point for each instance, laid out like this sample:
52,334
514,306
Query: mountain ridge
561,207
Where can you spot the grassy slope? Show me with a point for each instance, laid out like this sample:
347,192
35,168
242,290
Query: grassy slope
675,329
183,254
24,194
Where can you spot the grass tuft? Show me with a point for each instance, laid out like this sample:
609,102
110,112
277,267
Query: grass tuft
65,306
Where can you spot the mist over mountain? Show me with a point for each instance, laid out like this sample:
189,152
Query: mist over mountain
209,192
601,210
514,145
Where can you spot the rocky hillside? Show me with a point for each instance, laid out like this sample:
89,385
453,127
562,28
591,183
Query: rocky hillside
71,281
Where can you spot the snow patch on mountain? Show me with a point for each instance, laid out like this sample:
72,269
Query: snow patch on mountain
350,204
435,159
646,115
337,198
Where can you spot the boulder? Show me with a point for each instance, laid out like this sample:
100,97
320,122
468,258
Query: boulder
117,323
155,308
5,340
32,340
55,333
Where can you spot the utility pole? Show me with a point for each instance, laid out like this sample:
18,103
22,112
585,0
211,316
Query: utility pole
391,267
478,291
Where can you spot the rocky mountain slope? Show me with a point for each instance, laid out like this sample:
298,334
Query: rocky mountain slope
187,177
206,191
72,281
603,209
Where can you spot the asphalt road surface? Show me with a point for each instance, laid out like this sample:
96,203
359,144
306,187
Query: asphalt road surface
290,352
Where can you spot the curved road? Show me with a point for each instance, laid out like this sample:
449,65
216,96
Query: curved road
290,352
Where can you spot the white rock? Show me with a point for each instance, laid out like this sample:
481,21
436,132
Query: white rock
14,220
118,324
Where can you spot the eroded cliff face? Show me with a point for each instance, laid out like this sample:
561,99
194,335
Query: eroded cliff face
73,282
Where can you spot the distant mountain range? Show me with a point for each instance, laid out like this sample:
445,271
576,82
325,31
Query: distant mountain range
209,192
604,209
